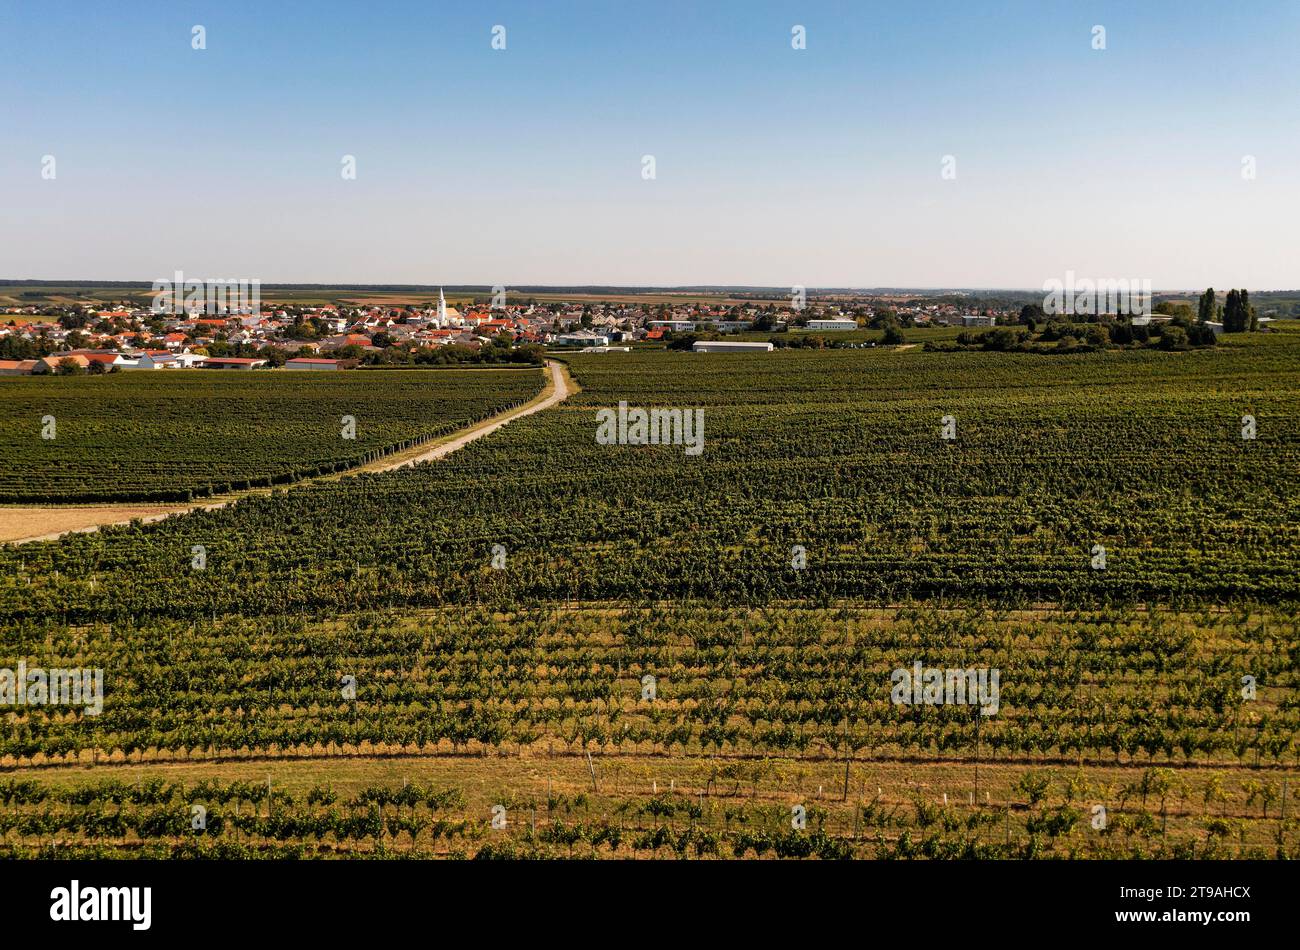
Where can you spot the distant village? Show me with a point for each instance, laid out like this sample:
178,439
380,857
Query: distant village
80,339
72,339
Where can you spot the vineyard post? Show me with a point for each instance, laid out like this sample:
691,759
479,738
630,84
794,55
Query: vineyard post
848,760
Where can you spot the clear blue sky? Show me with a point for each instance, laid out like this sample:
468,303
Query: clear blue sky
774,166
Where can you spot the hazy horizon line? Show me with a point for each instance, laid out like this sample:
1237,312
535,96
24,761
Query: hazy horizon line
625,288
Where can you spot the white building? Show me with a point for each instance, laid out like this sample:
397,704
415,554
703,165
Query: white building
581,338
304,362
977,320
730,346
833,323
150,359
231,362
188,360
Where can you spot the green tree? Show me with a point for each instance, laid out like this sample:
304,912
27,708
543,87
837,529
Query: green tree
1032,314
1201,334
1230,313
1205,308
273,355
1237,315
1173,338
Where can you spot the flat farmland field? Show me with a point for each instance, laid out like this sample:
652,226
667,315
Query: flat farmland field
1133,461
173,436
920,604
1132,715
26,295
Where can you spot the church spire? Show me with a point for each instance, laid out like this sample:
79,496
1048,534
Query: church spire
442,308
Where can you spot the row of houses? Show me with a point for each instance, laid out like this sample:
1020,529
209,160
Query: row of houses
320,331
153,360
328,328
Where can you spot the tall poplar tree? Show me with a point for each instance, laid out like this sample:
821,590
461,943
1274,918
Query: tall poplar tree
1205,310
1234,313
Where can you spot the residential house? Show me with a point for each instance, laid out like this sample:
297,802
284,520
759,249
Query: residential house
155,359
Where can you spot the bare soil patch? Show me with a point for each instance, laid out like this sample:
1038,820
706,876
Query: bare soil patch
38,523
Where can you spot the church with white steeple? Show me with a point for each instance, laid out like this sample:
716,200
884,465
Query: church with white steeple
446,316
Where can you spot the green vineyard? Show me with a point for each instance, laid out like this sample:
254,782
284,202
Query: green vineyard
638,651
729,811
174,436
1118,686
838,454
